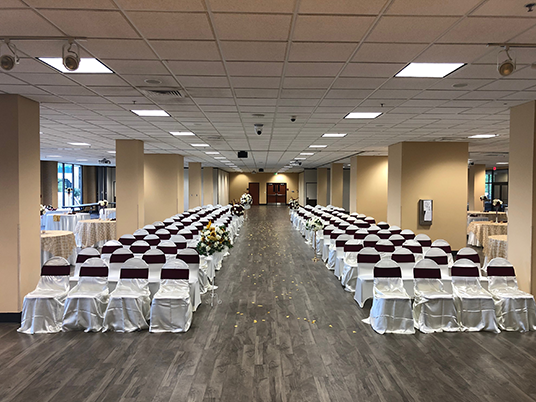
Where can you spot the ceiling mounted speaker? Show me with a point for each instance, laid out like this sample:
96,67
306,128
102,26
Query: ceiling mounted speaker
71,56
8,61
508,66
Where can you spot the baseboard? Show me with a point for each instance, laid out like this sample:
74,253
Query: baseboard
10,317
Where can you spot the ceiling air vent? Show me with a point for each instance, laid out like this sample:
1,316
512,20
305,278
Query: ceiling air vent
164,93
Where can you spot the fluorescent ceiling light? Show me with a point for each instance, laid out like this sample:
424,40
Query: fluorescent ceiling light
111,152
88,65
502,163
317,146
220,157
212,153
200,145
428,70
53,156
334,135
483,136
307,153
300,159
362,115
181,133
81,160
151,113
81,144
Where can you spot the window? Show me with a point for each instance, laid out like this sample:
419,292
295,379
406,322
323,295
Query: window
69,184
496,186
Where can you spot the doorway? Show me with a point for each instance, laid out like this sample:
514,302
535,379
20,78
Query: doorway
276,193
254,192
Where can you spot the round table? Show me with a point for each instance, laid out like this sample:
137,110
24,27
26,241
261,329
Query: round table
61,221
480,231
497,246
107,213
94,231
57,243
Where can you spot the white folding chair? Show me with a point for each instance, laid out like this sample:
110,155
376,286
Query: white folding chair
171,309
332,254
191,258
109,247
86,302
150,228
370,240
163,234
415,247
117,259
433,309
127,239
397,240
129,306
391,310
470,254
152,239
364,278
349,272
475,305
84,255
155,259
140,234
339,258
515,309
445,246
408,234
42,309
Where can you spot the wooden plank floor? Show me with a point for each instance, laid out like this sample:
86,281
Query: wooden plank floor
285,331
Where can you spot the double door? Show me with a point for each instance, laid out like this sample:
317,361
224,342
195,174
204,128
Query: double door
276,193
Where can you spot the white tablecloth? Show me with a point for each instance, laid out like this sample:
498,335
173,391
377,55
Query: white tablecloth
107,213
480,231
94,231
58,243
64,222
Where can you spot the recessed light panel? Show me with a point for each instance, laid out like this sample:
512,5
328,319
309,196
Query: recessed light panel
428,70
334,135
300,159
307,153
502,163
87,65
151,113
182,133
200,145
53,156
212,153
483,136
362,115
80,144
220,157
317,146
111,152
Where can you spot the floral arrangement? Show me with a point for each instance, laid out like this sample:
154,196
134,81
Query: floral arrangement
103,203
213,239
237,209
484,198
45,208
69,190
246,199
497,203
314,224
294,204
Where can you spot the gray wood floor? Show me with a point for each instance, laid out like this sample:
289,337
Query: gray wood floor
286,331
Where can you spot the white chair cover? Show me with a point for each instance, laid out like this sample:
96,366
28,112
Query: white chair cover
42,309
191,258
424,241
155,259
445,246
441,258
86,303
515,309
475,306
171,309
391,310
109,247
349,271
367,258
84,255
433,309
339,247
117,259
129,306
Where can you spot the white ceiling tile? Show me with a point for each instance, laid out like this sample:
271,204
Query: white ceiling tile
253,51
313,69
252,26
252,6
409,29
186,49
307,51
388,52
255,82
371,70
139,67
307,82
161,25
118,49
254,68
161,5
346,7
502,8
331,28
419,7
196,67
25,22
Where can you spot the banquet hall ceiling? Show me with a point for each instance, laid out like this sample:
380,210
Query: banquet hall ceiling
233,60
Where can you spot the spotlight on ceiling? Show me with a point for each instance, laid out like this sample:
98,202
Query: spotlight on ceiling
8,61
71,56
508,66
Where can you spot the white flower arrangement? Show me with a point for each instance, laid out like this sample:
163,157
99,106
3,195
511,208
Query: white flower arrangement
484,198
43,209
213,239
314,224
237,210
294,204
246,199
497,202
103,203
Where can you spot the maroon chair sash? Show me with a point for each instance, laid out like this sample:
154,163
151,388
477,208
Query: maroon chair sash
81,258
403,258
395,231
167,249
439,260
120,257
109,249
374,230
151,230
181,245
368,258
333,236
340,243
446,249
414,249
154,259
139,249
327,232
350,231
370,220
362,225
188,236
397,243
55,270
188,258
359,236
425,243
384,236
427,273
471,257
177,218
370,243
164,236
464,271
501,271
168,273
159,226
134,273
408,236
139,236
384,248
152,242
195,231
127,241
393,272
94,272
172,231
383,225
349,248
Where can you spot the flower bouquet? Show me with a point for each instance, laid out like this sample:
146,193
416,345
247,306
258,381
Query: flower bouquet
484,198
294,204
246,200
213,239
497,203
43,209
237,210
314,224
103,204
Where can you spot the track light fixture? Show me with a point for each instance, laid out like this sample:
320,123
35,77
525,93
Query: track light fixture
8,61
71,56
508,66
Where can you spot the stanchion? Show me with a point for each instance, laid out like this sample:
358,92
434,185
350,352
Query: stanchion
315,258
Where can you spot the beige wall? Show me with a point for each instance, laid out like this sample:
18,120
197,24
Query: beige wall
89,183
129,188
20,178
476,187
238,183
369,186
336,184
194,184
322,186
49,183
161,182
208,186
436,171
301,188
521,194
394,185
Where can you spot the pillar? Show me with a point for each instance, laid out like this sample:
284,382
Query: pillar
208,186
429,170
521,194
162,175
89,184
368,186
194,184
20,243
322,186
301,188
129,187
336,188
476,187
49,183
